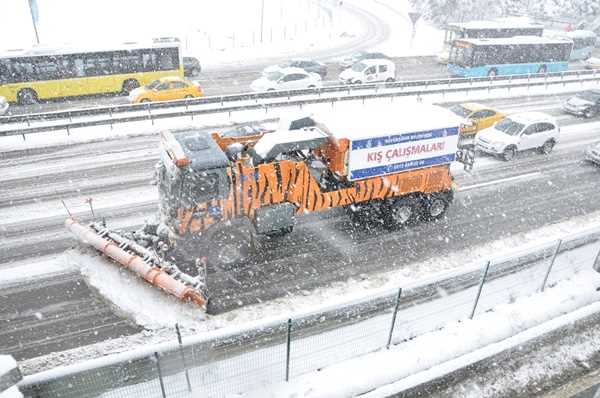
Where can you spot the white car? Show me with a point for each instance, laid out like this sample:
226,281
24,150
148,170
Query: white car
518,132
286,79
592,63
3,106
369,71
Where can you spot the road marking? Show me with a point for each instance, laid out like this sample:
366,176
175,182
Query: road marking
501,181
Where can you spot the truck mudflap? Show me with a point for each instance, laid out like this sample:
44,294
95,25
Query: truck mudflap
141,261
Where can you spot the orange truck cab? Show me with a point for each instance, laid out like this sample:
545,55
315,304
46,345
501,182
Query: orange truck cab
218,195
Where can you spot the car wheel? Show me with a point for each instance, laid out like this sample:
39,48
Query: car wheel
189,96
492,73
27,96
271,89
542,69
547,147
357,82
589,113
144,100
312,86
509,153
389,80
130,85
401,212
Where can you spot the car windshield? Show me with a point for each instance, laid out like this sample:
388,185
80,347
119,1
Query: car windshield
510,127
589,96
359,67
460,110
153,84
274,76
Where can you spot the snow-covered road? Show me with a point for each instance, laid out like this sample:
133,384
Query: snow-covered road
500,199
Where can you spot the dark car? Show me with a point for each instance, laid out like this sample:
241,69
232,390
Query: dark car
361,55
191,66
585,103
309,66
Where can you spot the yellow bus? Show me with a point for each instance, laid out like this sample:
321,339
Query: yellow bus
27,76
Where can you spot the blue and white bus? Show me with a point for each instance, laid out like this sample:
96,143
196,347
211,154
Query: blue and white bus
509,56
584,42
486,29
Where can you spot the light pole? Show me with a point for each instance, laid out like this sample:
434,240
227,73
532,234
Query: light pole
34,18
262,18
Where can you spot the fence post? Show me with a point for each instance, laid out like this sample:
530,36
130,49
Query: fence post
551,265
485,272
288,348
389,342
160,377
187,375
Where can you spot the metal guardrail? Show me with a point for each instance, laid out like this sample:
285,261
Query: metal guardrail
226,104
238,359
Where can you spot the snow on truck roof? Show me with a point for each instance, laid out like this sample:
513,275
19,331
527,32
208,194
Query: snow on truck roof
67,48
516,40
397,118
500,24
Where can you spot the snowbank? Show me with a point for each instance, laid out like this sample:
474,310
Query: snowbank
454,342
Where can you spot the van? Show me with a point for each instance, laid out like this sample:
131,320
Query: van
369,71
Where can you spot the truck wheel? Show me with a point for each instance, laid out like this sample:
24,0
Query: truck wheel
229,247
401,212
281,232
435,206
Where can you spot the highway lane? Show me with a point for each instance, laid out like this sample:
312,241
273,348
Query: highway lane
66,306
324,248
219,82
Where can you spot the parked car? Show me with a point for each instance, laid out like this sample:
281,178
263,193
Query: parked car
478,117
369,71
592,153
361,56
585,103
191,66
286,79
3,106
592,63
518,132
166,89
305,64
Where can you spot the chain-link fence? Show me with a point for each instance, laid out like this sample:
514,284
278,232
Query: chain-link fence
222,363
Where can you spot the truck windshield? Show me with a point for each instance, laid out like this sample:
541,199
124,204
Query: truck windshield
200,187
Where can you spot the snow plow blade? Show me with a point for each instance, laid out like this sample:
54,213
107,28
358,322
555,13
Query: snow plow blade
141,261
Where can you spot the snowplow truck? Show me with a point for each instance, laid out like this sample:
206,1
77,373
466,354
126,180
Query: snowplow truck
219,194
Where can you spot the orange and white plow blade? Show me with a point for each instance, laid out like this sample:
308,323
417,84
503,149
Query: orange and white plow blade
151,274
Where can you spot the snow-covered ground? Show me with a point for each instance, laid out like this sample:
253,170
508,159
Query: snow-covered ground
7,364
223,32
216,32
130,129
425,41
411,361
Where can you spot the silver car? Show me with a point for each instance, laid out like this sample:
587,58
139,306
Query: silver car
3,106
592,153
